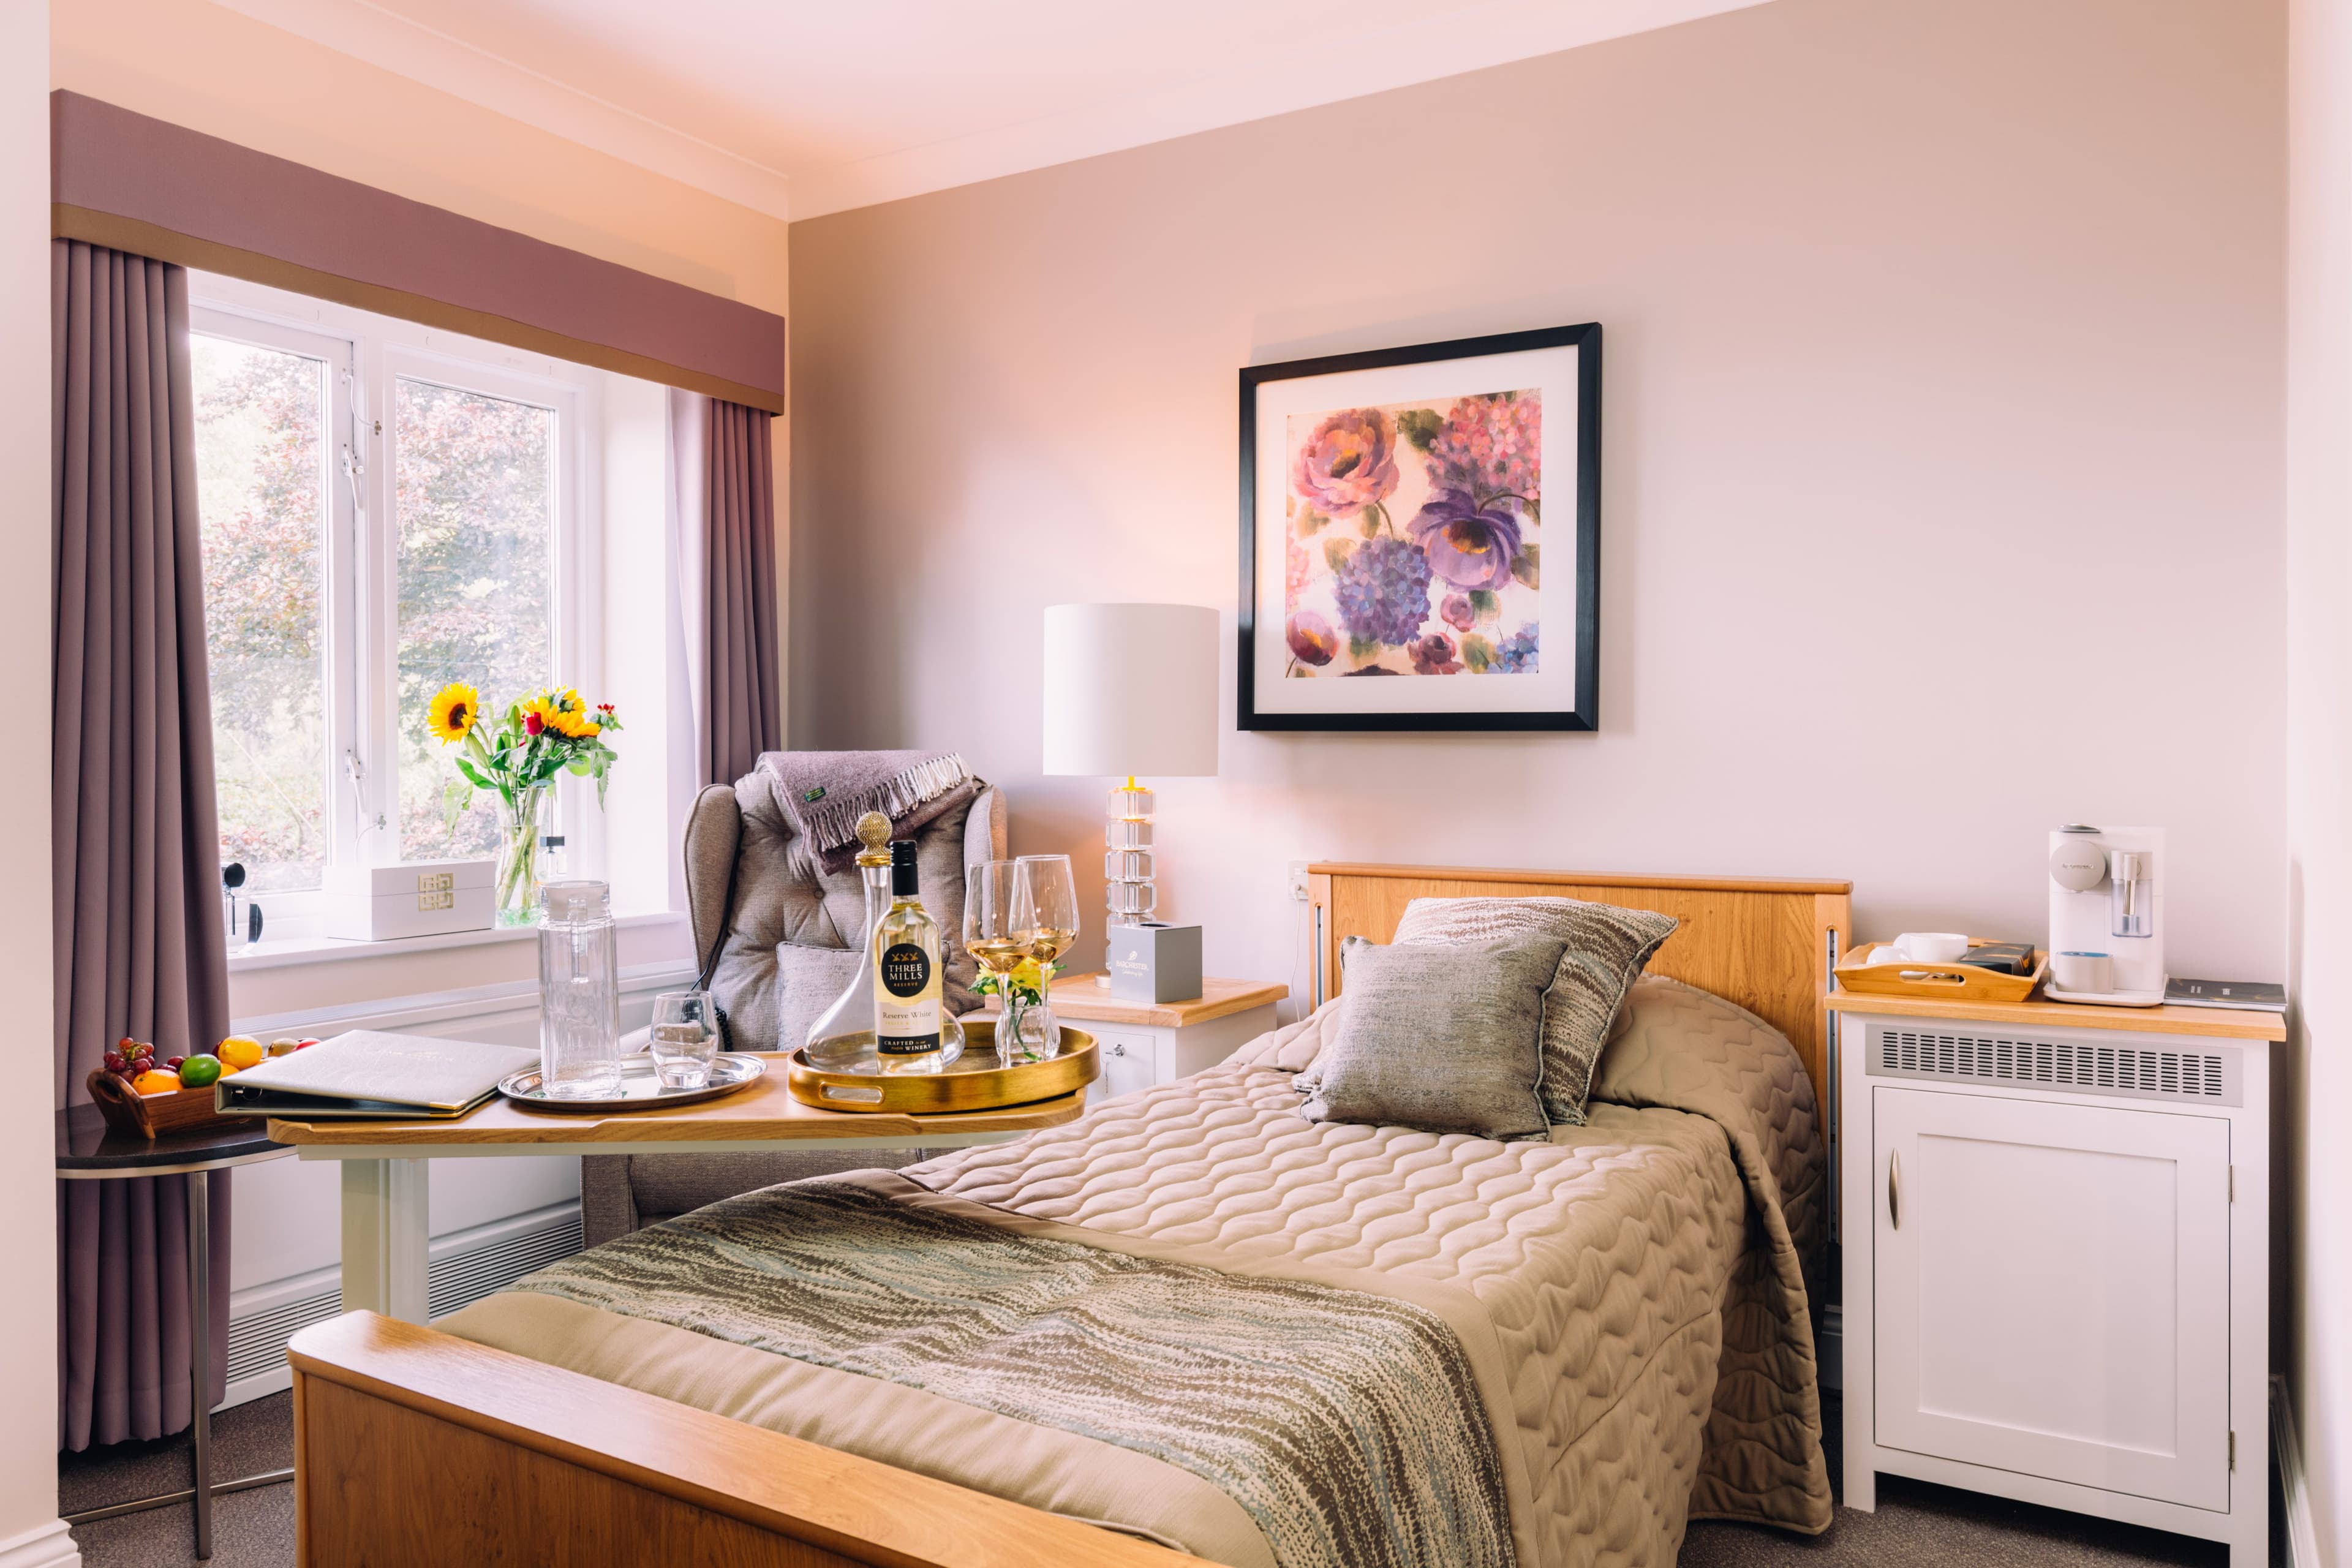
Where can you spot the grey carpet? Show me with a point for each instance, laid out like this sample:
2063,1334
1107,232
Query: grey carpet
250,1528
1916,1523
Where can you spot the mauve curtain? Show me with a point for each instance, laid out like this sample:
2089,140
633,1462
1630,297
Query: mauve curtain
723,490
135,847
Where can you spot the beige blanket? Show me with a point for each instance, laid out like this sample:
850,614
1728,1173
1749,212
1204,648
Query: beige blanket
1629,1296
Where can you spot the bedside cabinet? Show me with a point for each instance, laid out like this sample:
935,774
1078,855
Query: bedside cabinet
1144,1043
2056,1232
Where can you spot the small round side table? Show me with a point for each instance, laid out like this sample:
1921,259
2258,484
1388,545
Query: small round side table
89,1151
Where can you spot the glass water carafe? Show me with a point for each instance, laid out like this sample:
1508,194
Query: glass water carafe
842,1039
579,992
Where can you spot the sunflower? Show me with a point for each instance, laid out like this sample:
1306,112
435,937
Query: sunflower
455,708
575,722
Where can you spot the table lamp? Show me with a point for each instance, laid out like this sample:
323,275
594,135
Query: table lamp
1130,689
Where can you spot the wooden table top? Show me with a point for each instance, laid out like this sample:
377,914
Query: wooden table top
1078,1000
2215,1023
765,1112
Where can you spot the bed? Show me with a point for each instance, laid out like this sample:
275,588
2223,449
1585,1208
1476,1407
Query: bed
1267,1341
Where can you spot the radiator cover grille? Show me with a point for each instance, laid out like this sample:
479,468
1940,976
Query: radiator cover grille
2073,1067
256,1340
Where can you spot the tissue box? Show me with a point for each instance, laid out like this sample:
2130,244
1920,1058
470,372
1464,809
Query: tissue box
1155,962
414,897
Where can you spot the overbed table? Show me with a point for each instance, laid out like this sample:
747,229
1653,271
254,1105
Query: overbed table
89,1151
386,1228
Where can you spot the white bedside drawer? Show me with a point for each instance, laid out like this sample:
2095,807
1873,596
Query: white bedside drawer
1127,1061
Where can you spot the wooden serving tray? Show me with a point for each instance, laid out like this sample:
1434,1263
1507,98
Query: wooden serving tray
145,1115
1949,982
974,1081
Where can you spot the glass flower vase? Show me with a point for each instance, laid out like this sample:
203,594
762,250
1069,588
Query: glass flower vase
1026,1031
519,868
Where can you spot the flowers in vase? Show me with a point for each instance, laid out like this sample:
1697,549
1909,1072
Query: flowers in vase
550,732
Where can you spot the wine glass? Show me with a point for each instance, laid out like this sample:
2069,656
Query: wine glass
988,924
1044,922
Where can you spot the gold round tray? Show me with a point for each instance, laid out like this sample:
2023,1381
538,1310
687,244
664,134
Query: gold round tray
974,1082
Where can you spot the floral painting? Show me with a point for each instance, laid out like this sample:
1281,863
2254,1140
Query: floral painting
1394,509
1412,539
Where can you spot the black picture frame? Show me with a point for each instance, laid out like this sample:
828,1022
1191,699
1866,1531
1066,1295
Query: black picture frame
1585,338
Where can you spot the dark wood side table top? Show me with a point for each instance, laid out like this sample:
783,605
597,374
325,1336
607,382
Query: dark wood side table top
90,1150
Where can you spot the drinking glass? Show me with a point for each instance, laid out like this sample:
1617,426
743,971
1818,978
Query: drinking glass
684,1038
1044,922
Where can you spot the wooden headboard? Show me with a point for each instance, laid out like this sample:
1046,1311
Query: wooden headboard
1768,945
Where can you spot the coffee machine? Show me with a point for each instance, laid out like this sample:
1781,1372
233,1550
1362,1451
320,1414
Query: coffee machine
2106,916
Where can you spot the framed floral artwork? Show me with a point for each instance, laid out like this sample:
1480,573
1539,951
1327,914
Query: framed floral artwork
1421,537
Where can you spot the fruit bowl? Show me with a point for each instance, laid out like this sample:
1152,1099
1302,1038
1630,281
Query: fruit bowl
145,1115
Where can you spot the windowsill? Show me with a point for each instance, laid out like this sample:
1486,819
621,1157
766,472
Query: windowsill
291,952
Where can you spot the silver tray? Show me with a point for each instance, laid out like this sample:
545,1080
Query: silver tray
640,1088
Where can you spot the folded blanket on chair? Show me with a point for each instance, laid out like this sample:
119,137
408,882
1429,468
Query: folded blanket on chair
822,793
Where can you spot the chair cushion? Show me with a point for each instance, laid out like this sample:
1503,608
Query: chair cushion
789,947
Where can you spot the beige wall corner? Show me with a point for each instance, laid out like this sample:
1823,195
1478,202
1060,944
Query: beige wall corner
30,1536
2315,1102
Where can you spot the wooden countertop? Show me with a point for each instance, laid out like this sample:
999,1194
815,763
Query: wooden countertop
765,1112
1079,1000
2215,1023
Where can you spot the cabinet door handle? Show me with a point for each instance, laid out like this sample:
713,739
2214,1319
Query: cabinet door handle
1118,1048
1895,1189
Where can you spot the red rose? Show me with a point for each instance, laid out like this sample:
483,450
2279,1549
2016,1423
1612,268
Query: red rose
532,724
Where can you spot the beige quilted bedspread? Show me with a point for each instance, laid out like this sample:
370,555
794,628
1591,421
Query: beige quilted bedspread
1643,1275
1631,1292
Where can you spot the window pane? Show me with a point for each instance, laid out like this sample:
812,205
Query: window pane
264,502
475,493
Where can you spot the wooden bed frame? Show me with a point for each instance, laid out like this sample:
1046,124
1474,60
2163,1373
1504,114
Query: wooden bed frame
418,1448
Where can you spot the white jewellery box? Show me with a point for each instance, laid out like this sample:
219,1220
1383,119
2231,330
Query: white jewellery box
414,897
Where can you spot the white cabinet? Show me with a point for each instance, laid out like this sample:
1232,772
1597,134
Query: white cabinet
1144,1043
2053,1291
2056,1257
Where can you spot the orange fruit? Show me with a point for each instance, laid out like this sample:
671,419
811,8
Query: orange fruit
240,1051
157,1082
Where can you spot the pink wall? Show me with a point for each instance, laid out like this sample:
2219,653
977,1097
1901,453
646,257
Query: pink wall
1944,344
2315,1076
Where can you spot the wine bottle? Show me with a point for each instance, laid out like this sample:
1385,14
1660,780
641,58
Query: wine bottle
906,957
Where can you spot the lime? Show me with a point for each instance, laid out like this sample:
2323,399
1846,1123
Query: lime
198,1072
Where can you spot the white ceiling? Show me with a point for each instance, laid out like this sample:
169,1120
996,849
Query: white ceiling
798,109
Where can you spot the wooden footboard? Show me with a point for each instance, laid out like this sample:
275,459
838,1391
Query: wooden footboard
417,1447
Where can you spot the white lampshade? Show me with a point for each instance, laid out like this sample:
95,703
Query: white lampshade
1130,689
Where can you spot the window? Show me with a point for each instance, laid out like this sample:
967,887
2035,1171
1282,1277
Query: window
265,501
385,509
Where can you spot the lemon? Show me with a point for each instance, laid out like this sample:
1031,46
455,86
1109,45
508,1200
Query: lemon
240,1051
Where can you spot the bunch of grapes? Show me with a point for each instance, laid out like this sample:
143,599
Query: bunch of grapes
129,1058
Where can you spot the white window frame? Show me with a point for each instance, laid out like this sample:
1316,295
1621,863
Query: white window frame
367,354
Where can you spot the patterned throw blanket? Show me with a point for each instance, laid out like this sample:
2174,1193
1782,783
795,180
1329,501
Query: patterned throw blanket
1346,1425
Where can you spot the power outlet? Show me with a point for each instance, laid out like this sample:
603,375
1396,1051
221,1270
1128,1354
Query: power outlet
1298,881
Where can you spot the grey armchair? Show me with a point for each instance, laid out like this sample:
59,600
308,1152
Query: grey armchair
787,950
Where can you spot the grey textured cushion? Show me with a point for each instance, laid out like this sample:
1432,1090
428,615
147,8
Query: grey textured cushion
1606,947
786,903
1440,1039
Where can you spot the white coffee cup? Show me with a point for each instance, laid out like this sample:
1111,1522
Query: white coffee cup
2089,973
1932,946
